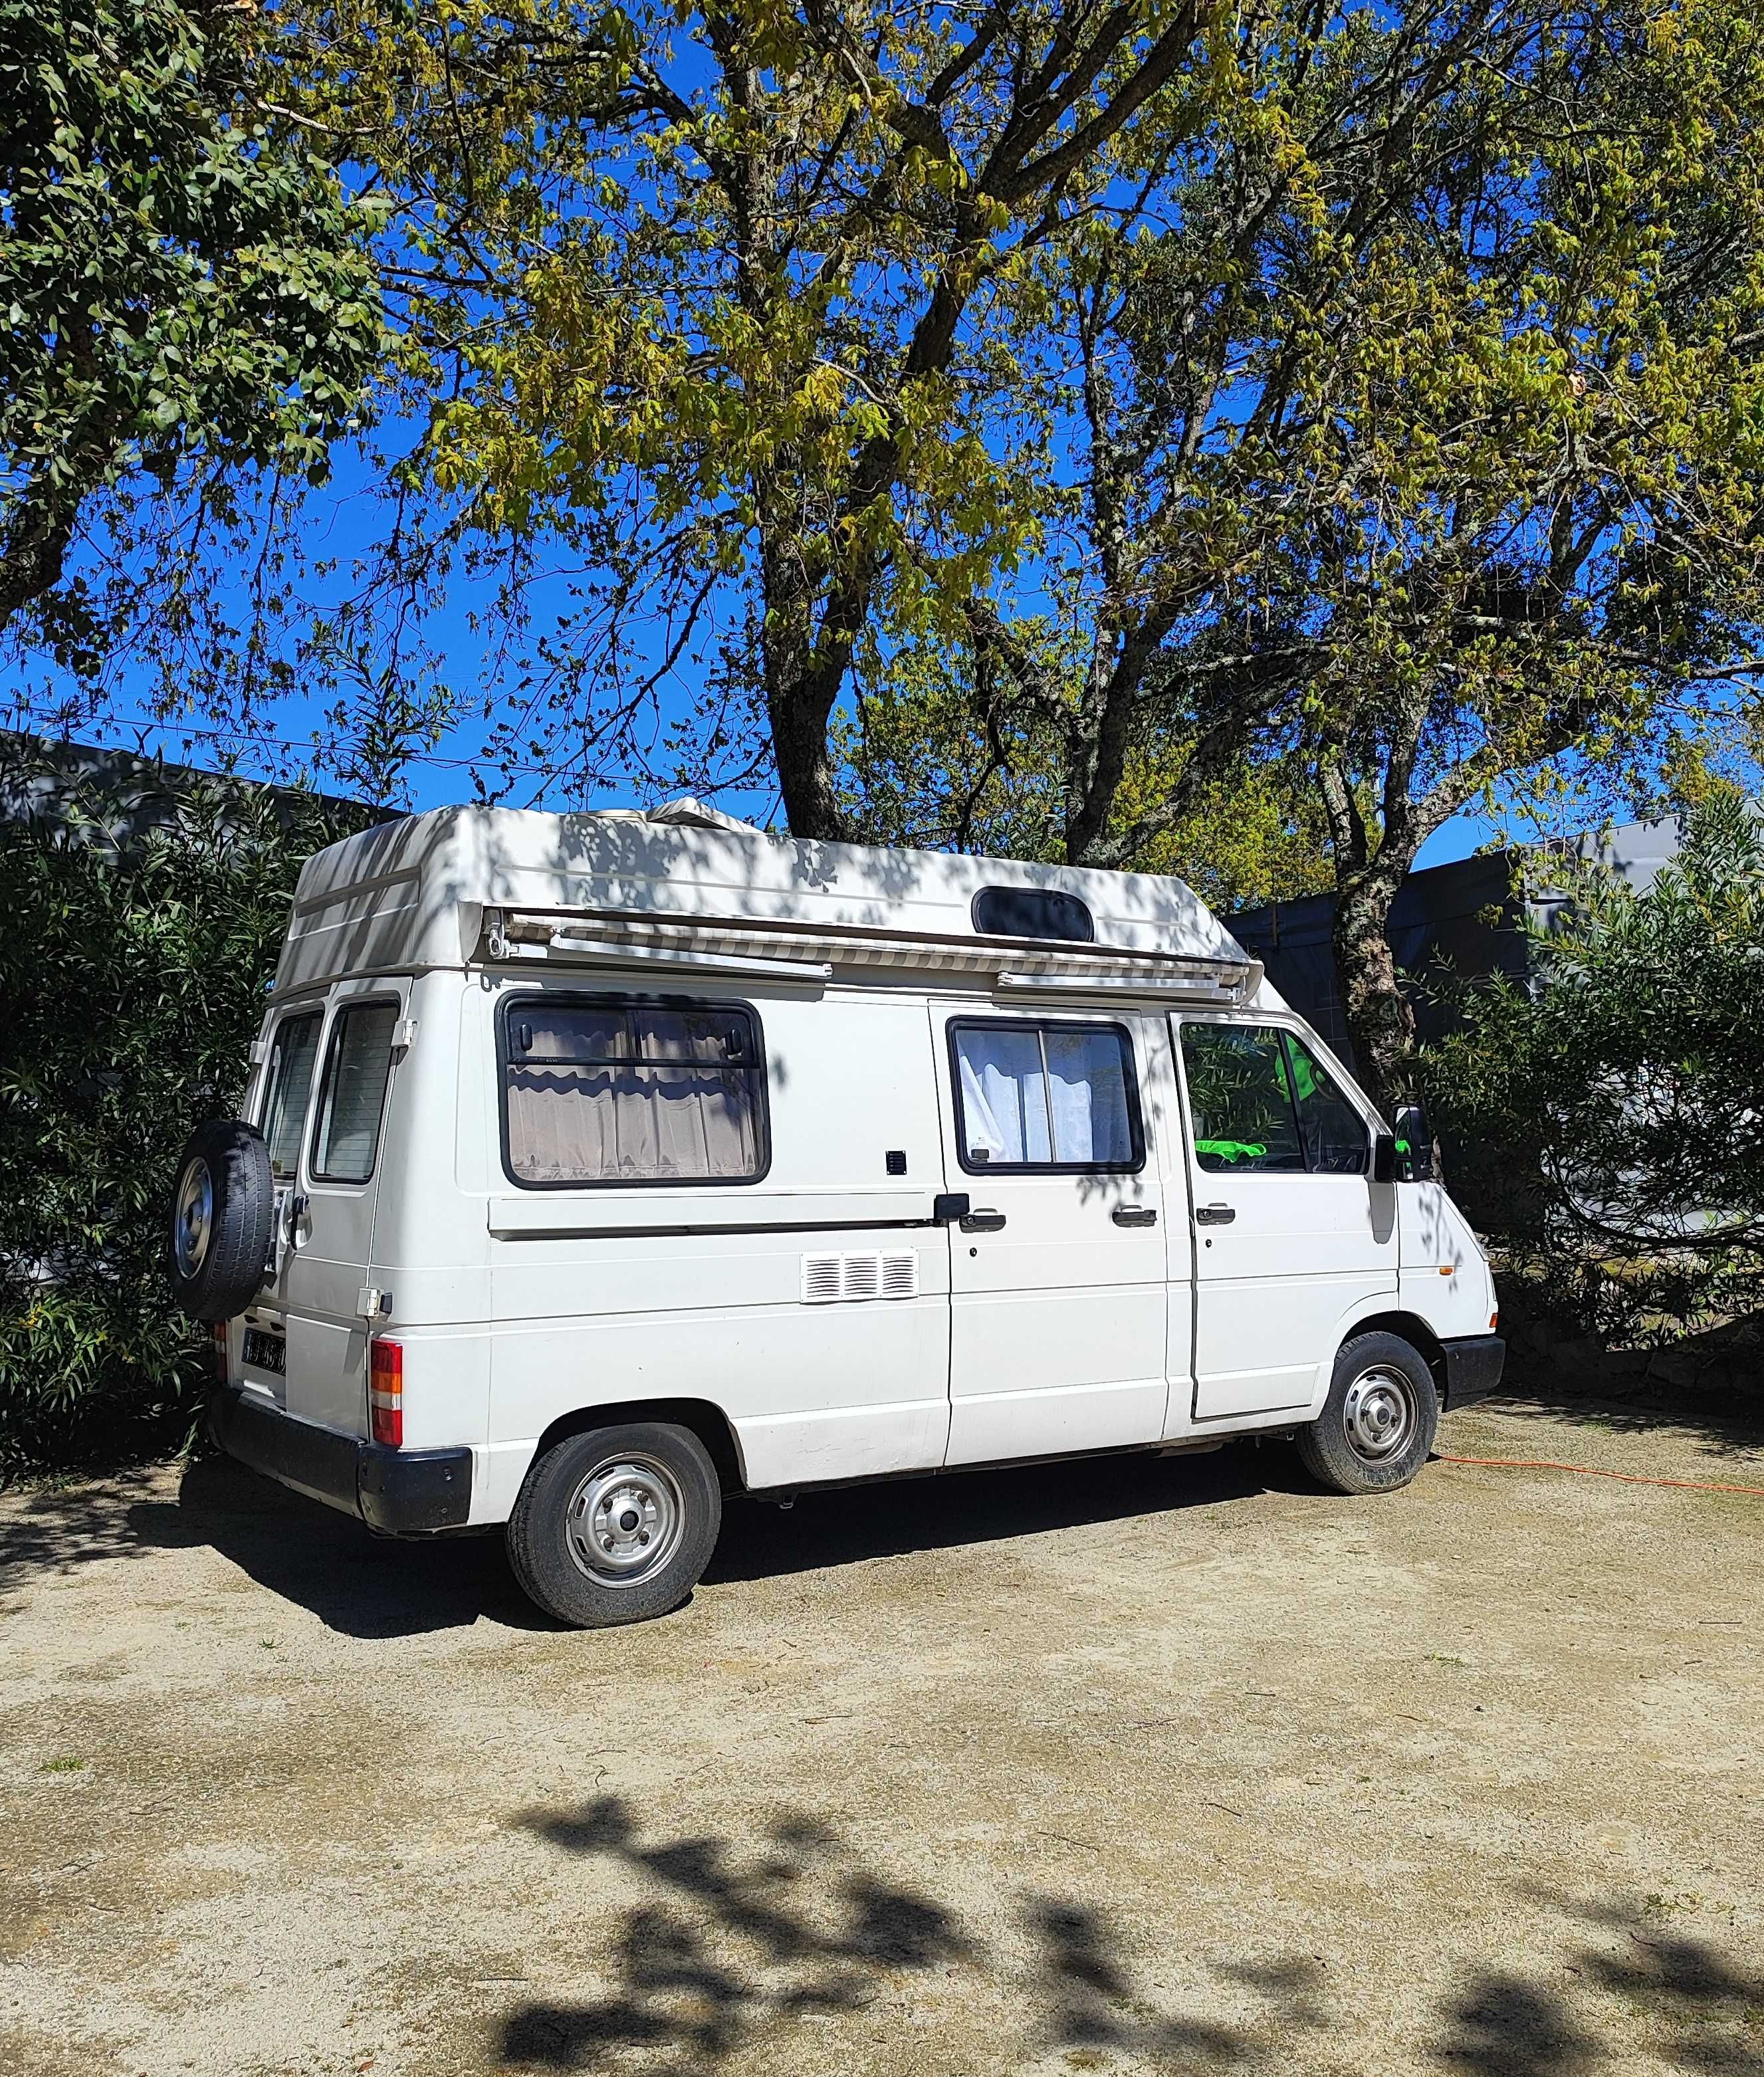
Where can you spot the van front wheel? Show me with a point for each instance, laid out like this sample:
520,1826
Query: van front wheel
616,1525
1378,1424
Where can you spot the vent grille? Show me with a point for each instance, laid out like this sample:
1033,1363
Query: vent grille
820,1279
863,1276
828,1278
900,1275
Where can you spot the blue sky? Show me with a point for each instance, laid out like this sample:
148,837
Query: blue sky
341,522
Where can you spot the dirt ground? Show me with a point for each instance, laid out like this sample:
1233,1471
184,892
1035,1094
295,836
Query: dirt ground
1141,1765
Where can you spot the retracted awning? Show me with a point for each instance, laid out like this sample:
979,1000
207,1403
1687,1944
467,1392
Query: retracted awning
812,955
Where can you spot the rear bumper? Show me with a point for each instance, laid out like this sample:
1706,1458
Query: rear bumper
1473,1368
400,1493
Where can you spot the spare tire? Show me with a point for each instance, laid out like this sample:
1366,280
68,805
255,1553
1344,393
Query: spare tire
223,1208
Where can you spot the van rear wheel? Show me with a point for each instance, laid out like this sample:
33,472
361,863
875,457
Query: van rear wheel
616,1525
1378,1424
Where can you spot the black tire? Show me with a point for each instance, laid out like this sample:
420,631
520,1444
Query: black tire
645,1483
1379,1378
222,1205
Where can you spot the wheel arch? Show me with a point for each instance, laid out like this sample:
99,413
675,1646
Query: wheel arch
1409,1327
706,1420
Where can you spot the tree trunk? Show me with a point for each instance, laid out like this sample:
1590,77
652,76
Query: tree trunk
1379,1021
799,708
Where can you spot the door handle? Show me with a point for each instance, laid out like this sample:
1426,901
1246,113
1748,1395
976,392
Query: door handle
983,1221
1213,1215
1134,1215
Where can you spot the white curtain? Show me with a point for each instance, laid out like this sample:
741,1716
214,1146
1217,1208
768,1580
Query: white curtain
1004,1096
1020,1105
652,1107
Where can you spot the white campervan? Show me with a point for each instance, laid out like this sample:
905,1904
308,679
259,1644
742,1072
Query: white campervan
595,1166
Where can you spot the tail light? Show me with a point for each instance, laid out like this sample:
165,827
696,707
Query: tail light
385,1394
220,1352
1494,1321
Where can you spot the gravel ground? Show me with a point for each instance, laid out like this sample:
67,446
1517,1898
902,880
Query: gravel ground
1146,1765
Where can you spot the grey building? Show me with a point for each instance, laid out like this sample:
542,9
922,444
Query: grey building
1464,919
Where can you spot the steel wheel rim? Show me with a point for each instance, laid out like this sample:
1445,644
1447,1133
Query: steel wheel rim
1379,1414
193,1224
625,1521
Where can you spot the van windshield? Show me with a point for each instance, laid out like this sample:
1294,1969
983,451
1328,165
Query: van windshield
291,1061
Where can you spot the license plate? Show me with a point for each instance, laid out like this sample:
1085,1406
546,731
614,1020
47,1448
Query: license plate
265,1351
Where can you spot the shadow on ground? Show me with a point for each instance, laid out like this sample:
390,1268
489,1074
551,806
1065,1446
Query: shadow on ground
371,1586
1709,1387
1718,1423
955,1509
721,1950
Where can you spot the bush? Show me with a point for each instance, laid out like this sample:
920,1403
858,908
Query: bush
133,963
1615,1106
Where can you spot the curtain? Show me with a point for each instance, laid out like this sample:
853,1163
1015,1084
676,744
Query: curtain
1032,1095
607,1094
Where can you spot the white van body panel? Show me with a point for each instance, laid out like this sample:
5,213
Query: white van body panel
1446,1275
832,1308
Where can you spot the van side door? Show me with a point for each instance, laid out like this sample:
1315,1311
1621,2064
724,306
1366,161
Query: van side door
1057,1275
1292,1235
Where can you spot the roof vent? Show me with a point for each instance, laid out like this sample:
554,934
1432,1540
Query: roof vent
687,813
1032,912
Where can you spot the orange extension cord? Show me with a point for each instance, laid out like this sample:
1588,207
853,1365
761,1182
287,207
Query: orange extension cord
1593,1471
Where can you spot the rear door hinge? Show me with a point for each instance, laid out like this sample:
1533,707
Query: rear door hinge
374,1304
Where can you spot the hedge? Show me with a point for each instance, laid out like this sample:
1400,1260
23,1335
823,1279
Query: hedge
138,928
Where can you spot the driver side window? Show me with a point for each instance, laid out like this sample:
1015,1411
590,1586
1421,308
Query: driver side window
1261,1102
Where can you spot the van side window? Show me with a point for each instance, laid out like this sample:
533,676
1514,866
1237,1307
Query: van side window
293,1053
600,1090
356,1073
1057,1097
1261,1101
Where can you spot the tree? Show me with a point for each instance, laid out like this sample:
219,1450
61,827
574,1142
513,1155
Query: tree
188,288
925,761
148,907
715,299
1423,446
1617,1096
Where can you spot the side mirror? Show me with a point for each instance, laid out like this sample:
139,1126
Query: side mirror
1384,1157
1414,1145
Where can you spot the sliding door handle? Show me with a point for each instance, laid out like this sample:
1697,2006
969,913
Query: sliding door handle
1213,1215
1134,1215
983,1221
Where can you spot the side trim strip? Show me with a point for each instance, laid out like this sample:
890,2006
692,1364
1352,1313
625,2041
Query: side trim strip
757,1226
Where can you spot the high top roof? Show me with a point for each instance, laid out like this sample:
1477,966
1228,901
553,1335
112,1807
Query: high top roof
413,894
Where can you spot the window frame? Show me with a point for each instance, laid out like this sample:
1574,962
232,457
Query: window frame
340,1012
638,999
290,1014
1290,1035
1136,1123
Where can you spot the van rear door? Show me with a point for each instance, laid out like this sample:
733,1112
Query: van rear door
324,1239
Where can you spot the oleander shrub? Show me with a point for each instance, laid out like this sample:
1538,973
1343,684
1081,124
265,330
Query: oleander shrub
1615,1099
139,926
